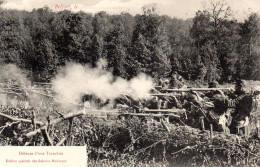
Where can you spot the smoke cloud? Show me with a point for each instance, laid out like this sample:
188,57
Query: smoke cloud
11,74
16,90
75,80
72,82
11,80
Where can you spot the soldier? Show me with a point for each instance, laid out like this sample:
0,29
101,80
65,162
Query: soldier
165,84
243,106
217,97
213,106
154,103
209,95
176,81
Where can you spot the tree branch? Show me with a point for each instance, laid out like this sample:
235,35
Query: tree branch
20,119
68,116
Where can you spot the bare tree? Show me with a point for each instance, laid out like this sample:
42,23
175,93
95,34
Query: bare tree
150,9
220,11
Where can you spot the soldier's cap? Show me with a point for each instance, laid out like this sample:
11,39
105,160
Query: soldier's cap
213,84
241,83
166,81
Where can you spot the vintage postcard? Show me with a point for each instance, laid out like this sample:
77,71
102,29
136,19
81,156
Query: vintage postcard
129,83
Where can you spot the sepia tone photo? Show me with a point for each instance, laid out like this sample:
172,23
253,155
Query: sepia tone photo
137,83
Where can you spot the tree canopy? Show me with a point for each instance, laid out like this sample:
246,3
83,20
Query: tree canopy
211,46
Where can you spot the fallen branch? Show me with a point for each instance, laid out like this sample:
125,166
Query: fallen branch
46,136
68,116
69,141
62,141
20,119
8,125
33,120
165,126
28,143
152,145
185,148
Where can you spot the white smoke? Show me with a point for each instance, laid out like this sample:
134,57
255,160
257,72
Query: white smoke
12,79
75,80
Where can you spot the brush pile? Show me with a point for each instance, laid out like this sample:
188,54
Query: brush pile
113,141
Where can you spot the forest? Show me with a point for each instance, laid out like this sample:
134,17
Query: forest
74,102
211,46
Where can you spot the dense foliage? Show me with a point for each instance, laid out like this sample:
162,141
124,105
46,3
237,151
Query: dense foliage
136,142
211,46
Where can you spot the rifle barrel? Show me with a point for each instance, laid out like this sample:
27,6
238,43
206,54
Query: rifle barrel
165,110
165,94
153,115
198,89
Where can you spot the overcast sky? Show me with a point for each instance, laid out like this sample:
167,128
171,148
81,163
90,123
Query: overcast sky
174,8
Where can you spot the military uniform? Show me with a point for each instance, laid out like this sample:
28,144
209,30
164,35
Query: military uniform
243,106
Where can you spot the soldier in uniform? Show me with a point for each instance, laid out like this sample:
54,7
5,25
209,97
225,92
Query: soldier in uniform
154,103
243,106
176,81
220,110
217,97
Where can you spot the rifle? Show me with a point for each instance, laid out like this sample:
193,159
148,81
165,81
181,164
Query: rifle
164,94
197,89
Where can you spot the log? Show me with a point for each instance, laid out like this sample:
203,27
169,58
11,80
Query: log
20,119
68,116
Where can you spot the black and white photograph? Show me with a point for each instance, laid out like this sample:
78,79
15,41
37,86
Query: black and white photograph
129,83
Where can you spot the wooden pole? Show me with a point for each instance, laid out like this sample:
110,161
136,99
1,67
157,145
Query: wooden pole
211,131
258,129
247,131
33,124
69,141
165,126
202,123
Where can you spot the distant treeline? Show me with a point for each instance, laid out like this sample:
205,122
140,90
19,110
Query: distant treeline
211,46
